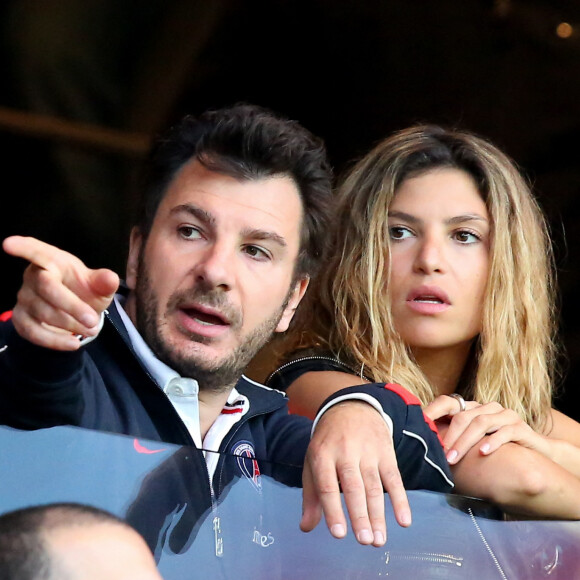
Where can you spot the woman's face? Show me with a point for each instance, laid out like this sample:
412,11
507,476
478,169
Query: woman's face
439,234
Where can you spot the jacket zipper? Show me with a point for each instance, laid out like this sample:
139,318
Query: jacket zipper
485,543
431,557
217,529
325,358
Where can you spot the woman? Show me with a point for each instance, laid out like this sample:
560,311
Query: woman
441,281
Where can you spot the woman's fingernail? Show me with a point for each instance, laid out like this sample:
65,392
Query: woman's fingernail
338,531
452,456
485,448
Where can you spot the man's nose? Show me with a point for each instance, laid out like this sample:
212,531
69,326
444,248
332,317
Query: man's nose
215,267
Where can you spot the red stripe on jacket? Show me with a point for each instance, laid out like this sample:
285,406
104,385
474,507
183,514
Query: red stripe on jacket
411,399
5,316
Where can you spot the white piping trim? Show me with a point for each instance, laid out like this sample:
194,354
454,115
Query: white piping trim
427,459
86,339
263,386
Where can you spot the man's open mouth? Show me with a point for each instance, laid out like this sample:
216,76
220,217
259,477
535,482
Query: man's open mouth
205,318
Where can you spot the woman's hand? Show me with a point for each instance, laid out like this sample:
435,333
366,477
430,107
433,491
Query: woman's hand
487,426
444,407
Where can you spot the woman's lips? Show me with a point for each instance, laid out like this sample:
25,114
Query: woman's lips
428,300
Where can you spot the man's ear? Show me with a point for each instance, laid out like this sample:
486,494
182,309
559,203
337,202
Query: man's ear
295,297
135,243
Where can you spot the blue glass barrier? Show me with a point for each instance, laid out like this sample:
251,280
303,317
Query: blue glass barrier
251,530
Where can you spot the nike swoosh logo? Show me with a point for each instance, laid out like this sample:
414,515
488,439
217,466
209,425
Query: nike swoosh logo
140,449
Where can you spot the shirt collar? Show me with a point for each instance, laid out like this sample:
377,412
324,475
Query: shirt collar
160,372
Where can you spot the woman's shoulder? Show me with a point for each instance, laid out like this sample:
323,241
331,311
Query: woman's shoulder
306,361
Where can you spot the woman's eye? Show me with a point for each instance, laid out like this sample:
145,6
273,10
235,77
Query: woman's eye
399,233
466,237
189,232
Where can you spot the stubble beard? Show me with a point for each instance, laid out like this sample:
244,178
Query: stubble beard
217,376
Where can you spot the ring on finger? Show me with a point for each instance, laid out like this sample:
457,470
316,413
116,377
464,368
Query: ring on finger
460,400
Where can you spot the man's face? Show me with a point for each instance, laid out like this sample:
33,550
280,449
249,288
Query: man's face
214,278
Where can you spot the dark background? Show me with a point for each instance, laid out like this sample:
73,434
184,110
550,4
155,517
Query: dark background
351,71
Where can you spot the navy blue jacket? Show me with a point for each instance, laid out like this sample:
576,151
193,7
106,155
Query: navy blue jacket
103,386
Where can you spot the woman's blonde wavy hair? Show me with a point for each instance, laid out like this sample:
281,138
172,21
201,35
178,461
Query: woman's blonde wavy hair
513,359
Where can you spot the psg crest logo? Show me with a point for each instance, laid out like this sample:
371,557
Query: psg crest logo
246,458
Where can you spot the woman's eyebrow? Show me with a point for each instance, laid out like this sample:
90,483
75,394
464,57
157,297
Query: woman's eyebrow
405,216
458,219
468,217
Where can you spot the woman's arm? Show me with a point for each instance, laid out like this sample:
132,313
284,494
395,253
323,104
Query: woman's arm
564,436
497,456
521,481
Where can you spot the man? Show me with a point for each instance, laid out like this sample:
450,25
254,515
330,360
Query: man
73,541
232,226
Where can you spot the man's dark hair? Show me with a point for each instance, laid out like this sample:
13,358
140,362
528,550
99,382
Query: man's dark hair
24,554
248,142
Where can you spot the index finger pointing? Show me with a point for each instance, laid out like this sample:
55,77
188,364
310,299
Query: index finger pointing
94,287
36,252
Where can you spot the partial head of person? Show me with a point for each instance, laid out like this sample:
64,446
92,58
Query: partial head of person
71,541
233,224
441,245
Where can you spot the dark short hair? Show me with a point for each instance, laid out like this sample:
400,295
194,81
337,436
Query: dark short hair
247,142
24,553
